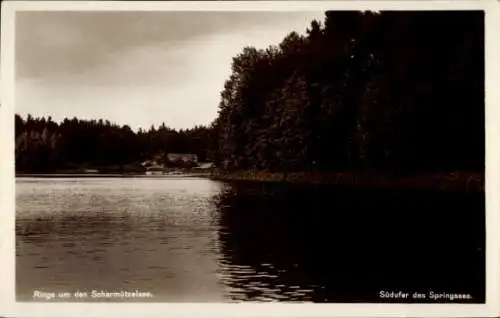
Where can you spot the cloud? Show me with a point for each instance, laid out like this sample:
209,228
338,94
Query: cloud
52,43
136,68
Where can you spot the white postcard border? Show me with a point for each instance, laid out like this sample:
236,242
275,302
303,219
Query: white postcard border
10,308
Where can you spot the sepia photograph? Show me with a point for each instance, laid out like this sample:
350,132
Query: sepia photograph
328,155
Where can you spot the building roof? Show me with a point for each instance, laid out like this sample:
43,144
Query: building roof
206,165
155,168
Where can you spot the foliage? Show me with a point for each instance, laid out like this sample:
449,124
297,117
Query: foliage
390,91
43,145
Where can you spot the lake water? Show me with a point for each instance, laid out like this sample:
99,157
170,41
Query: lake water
197,240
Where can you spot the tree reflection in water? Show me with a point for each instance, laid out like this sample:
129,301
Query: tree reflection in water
317,243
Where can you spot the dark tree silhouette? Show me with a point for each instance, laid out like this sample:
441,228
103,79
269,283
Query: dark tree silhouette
392,91
45,146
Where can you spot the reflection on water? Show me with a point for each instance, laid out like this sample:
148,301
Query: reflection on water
198,240
322,244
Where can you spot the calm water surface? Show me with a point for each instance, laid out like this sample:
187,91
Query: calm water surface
197,240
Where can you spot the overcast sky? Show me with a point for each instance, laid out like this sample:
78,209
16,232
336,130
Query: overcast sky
136,68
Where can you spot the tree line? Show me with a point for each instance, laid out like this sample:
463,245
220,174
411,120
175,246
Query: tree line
43,145
382,91
390,91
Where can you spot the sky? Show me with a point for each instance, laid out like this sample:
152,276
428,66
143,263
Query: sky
137,68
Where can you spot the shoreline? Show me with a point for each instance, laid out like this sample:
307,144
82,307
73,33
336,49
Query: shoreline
109,175
457,181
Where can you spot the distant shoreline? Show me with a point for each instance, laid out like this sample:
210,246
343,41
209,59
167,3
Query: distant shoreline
457,181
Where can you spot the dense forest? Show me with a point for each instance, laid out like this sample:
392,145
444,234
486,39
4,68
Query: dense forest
390,91
43,145
399,92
